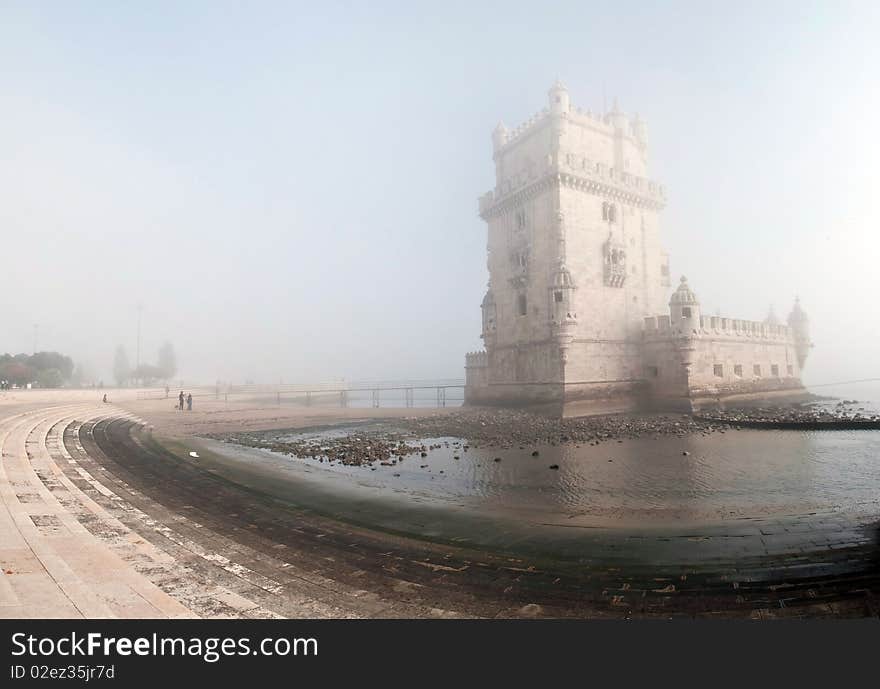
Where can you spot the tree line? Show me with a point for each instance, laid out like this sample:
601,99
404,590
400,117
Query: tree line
45,369
164,369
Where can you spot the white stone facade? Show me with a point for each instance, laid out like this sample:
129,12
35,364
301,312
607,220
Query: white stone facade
577,273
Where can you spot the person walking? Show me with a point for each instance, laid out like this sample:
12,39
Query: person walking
180,401
189,402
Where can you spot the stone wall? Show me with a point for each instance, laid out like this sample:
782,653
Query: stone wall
720,360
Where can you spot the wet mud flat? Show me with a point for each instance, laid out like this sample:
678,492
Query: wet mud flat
478,428
827,415
388,442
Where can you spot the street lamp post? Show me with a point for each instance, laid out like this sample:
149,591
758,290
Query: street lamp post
140,309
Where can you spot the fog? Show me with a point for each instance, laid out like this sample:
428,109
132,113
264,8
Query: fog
290,189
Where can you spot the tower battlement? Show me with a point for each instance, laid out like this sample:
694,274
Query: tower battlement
605,154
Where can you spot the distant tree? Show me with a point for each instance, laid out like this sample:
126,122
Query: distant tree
167,361
50,369
121,367
44,361
16,372
147,373
83,376
50,378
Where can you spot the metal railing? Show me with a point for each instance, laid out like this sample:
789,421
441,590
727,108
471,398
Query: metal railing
341,393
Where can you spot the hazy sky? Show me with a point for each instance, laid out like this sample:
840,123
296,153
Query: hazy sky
290,188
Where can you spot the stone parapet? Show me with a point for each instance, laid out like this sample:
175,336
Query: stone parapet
658,328
582,174
476,359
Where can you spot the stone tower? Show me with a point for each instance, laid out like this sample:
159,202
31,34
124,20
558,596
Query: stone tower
574,257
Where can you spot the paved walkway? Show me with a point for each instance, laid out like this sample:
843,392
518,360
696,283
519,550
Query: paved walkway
64,555
78,540
52,565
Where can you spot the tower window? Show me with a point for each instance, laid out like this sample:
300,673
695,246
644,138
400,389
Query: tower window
557,297
522,305
686,312
520,220
609,212
719,370
757,370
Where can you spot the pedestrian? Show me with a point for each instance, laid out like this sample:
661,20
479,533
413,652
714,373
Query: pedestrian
167,390
105,398
180,401
189,402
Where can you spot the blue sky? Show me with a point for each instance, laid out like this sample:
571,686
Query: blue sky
290,188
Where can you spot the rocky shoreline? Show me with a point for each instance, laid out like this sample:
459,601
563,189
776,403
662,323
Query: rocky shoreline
845,415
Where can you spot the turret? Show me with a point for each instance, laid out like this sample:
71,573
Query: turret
488,308
499,135
559,99
800,327
771,317
563,319
684,309
640,131
616,118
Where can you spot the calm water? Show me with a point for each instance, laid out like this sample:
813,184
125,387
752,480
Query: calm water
866,394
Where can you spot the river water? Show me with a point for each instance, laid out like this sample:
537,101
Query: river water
669,480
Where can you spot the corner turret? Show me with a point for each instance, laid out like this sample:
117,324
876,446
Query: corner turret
559,98
616,118
488,309
499,135
640,131
684,308
800,327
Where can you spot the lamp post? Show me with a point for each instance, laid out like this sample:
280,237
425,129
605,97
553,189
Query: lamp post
140,309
